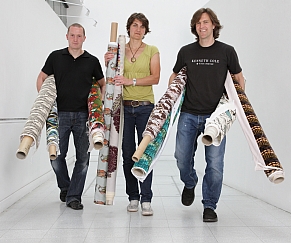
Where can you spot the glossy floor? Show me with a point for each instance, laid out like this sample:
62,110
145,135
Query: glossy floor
41,217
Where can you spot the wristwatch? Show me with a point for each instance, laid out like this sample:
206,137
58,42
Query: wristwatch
134,82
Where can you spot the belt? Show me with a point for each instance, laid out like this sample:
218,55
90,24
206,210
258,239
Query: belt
135,103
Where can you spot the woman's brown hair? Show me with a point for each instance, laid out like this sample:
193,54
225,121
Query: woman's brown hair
142,18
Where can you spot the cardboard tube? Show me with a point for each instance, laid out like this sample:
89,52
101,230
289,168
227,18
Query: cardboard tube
53,152
113,34
138,172
98,140
277,176
24,147
141,148
210,134
109,198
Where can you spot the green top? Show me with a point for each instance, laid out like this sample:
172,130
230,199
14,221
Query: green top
139,69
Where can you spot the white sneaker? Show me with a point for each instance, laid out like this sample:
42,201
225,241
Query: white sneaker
146,209
132,206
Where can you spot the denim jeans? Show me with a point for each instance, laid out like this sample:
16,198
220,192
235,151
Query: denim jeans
189,128
135,118
74,122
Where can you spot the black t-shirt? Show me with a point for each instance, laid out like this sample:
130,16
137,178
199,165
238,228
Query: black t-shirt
73,78
206,72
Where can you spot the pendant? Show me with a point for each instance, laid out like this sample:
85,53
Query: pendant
133,59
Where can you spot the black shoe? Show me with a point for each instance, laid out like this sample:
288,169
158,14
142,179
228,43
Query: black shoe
75,205
209,215
63,195
188,196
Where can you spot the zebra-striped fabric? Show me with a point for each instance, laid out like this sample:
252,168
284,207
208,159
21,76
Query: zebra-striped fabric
40,111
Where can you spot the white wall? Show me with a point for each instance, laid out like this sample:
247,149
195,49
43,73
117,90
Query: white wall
30,31
260,32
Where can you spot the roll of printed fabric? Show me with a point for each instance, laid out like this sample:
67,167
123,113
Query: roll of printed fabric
161,111
38,116
101,178
116,127
219,123
95,118
145,164
52,132
263,154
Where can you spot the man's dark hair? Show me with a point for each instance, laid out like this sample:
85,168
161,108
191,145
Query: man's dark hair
213,17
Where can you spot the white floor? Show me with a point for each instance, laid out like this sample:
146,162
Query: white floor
41,217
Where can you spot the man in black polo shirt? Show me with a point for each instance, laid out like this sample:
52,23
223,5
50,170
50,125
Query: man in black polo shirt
73,69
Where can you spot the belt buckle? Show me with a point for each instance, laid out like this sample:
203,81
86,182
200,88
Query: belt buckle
134,103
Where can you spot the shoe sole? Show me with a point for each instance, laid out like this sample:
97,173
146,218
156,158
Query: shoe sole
210,220
147,214
75,208
187,204
132,210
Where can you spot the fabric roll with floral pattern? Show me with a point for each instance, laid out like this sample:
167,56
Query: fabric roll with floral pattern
116,127
101,178
95,118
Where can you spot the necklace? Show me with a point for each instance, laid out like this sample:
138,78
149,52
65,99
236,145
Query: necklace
133,59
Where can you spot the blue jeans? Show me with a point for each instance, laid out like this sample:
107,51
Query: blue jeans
135,118
189,128
74,122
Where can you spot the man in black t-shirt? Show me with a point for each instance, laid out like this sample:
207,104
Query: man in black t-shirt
207,61
73,69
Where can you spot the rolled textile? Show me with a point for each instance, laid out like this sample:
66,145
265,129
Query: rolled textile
52,133
101,178
219,123
161,111
144,166
263,154
116,127
39,112
95,118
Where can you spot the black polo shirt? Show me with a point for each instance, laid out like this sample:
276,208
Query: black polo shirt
73,78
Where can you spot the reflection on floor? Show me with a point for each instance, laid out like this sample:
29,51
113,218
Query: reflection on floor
41,217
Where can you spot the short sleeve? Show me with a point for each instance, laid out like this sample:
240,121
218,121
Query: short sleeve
48,66
98,74
233,63
154,50
180,63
